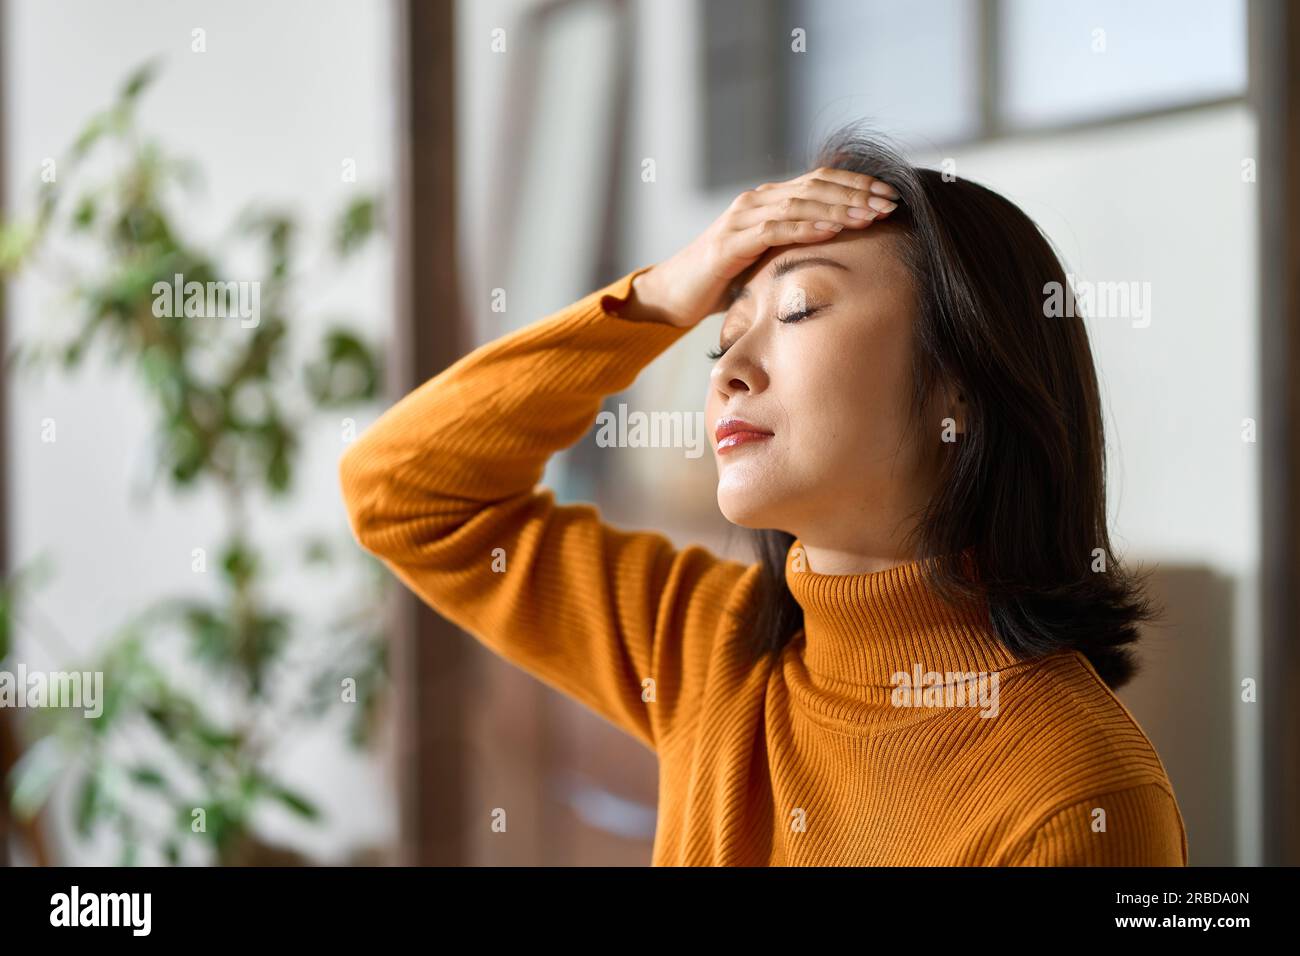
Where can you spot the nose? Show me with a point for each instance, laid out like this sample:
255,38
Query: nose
737,372
732,385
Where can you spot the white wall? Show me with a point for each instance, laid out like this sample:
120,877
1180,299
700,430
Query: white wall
284,92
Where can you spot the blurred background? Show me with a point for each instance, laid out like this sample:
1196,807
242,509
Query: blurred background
378,171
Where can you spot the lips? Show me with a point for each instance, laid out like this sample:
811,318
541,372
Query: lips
732,432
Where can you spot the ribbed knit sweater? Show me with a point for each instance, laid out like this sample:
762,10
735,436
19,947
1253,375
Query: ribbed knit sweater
815,757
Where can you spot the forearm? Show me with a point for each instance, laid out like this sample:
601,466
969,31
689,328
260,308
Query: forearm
482,430
443,489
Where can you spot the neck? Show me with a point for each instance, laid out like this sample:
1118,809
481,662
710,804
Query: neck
869,547
865,627
832,560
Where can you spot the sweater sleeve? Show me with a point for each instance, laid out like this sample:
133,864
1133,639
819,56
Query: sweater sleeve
1137,826
443,489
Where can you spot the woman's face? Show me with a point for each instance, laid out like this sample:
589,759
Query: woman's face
843,467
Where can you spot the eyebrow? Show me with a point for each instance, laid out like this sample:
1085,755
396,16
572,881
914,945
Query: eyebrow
784,267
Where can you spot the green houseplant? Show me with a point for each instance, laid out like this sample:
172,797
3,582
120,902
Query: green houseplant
177,767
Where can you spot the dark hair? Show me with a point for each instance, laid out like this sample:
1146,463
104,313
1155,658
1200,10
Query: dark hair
1023,490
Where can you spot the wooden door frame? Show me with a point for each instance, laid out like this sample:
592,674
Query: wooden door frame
1275,92
430,660
7,735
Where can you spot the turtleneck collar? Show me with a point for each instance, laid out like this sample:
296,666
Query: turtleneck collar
864,628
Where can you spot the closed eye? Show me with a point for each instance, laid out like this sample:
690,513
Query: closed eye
796,316
721,350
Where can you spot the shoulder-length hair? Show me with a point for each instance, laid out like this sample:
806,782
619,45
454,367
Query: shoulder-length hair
1022,491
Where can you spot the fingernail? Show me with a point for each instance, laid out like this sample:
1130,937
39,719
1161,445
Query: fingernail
884,205
857,212
827,226
884,189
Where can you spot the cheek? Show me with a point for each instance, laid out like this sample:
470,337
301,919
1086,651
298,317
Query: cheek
847,403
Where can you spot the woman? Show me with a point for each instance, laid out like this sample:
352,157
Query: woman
919,669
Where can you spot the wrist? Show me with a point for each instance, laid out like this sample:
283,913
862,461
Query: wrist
649,302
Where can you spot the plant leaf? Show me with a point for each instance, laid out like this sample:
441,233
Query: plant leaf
295,802
360,219
35,774
138,80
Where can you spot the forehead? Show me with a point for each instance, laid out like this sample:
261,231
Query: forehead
850,256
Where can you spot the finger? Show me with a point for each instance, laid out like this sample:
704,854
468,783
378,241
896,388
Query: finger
848,191
837,199
844,191
809,210
751,243
870,184
789,182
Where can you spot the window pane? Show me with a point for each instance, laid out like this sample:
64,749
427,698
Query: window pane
1073,60
744,86
910,69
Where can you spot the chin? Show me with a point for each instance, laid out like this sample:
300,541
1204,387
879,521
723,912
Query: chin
745,509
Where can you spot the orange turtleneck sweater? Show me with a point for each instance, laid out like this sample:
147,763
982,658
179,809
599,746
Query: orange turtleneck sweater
815,758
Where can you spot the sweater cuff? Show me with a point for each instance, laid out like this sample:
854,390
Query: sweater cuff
614,296
635,342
